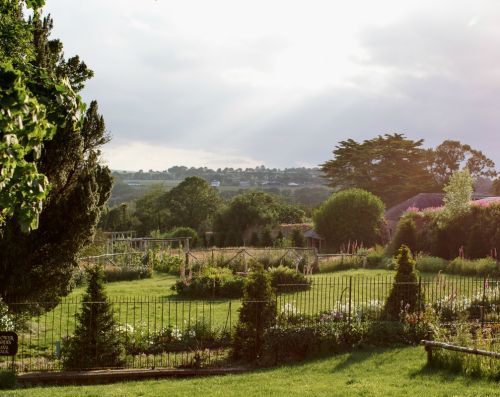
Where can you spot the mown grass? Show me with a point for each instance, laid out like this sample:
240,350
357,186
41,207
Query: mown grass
377,372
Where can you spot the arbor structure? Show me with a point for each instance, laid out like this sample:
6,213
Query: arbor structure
38,266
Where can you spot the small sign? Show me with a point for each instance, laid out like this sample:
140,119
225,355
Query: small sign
8,343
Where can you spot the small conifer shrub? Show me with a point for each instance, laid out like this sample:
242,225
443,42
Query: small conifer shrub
257,315
96,342
405,295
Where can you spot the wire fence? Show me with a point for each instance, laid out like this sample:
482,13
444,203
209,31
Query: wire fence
167,332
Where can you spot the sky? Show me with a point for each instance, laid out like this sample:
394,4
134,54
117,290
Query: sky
233,83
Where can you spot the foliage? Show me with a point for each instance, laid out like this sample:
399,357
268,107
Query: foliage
467,335
458,194
406,234
118,218
244,211
185,231
297,238
256,315
431,264
95,343
477,267
39,266
350,215
474,234
447,158
266,239
7,320
254,209
192,203
284,279
213,282
8,380
164,263
405,295
383,166
342,262
195,335
23,129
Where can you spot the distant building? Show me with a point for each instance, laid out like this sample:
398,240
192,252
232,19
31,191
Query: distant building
244,184
314,240
293,184
215,183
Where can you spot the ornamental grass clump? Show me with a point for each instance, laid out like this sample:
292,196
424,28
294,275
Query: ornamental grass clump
96,342
405,296
256,315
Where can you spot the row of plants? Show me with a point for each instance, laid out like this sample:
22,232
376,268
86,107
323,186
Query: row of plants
125,267
220,282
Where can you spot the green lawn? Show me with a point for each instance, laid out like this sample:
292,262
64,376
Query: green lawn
390,372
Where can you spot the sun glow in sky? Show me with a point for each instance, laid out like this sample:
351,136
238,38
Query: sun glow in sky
239,83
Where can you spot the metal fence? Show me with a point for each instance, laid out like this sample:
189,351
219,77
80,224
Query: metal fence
167,332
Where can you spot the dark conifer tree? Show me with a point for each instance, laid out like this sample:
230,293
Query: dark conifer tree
96,342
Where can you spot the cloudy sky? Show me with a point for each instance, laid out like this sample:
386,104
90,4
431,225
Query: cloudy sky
242,83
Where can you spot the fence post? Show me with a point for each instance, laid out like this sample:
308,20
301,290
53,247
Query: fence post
484,302
350,297
419,297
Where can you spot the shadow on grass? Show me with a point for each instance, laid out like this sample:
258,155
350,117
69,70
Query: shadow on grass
367,353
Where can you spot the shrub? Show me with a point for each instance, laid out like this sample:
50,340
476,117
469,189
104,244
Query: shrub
406,234
431,264
96,342
405,295
163,263
350,215
266,239
213,282
8,380
284,279
477,267
185,232
254,240
344,262
256,315
297,237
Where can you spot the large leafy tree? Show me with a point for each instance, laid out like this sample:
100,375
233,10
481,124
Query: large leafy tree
348,216
38,266
452,156
192,203
390,166
252,209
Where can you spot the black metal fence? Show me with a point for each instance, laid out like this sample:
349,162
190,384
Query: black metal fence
166,332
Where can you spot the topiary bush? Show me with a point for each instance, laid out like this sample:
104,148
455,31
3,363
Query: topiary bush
256,315
405,295
350,215
96,342
8,380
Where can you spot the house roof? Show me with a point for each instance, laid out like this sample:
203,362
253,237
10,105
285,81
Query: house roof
420,201
311,233
423,201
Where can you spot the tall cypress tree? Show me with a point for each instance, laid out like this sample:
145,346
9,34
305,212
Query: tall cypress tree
38,266
96,342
